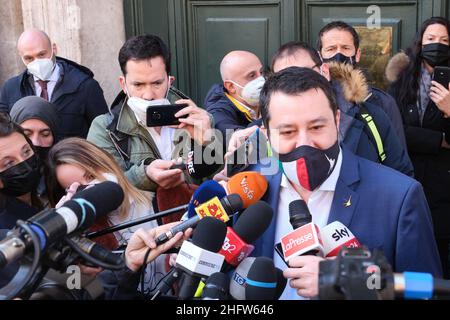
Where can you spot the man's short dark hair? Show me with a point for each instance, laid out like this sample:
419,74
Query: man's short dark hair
291,48
340,25
144,47
294,81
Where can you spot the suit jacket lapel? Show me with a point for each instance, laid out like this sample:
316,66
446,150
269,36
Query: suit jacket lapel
345,199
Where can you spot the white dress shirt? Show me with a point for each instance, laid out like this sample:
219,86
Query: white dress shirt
50,84
319,206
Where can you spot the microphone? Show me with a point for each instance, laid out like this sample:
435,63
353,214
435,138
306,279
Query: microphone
52,225
199,258
281,283
335,236
251,186
248,228
219,209
305,239
255,279
216,287
206,191
97,251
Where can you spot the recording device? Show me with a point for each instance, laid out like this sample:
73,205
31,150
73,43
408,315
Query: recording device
219,209
206,191
250,225
197,168
52,225
199,258
441,75
216,287
164,115
358,274
251,186
256,279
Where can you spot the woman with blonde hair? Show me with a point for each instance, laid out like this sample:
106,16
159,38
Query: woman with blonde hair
73,162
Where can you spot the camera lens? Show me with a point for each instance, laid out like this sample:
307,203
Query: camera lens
156,116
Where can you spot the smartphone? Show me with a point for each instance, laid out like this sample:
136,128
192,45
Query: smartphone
279,250
160,116
442,75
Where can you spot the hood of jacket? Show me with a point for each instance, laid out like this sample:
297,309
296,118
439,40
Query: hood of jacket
395,66
355,88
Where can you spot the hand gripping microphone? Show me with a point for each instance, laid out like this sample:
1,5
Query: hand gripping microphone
255,279
196,167
251,186
52,225
305,239
216,287
199,258
336,236
219,209
251,224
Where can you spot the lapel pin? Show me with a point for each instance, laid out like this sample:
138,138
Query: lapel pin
348,203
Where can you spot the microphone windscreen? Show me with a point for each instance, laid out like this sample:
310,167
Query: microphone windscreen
253,222
250,186
299,214
99,200
198,168
232,203
216,287
206,191
209,234
281,283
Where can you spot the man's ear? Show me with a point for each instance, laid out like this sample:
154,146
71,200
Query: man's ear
338,119
358,55
326,71
230,87
1,184
55,49
171,80
122,84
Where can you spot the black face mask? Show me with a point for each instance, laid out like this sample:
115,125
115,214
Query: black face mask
309,167
436,54
22,178
42,152
340,58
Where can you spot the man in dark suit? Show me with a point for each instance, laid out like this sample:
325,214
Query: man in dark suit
384,208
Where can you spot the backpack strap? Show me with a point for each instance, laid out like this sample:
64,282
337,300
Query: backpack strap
371,127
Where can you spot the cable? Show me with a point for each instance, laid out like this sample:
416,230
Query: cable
91,259
35,264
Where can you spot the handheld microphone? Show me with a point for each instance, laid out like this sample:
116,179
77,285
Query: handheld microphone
219,209
251,224
281,283
251,186
206,191
52,225
254,279
216,287
199,258
305,239
335,236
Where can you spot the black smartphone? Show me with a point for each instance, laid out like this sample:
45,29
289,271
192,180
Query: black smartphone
279,250
442,75
164,115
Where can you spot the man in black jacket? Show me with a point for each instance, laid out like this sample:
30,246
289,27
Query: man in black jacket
68,85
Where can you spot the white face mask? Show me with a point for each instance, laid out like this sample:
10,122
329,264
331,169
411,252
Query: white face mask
42,68
251,91
139,106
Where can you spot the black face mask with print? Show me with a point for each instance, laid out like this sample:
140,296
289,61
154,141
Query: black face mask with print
22,178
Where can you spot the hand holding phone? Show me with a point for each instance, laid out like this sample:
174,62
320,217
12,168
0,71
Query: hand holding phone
442,75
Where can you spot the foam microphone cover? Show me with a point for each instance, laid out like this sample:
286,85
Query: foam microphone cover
198,168
253,222
299,214
216,287
250,186
209,234
206,191
281,283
